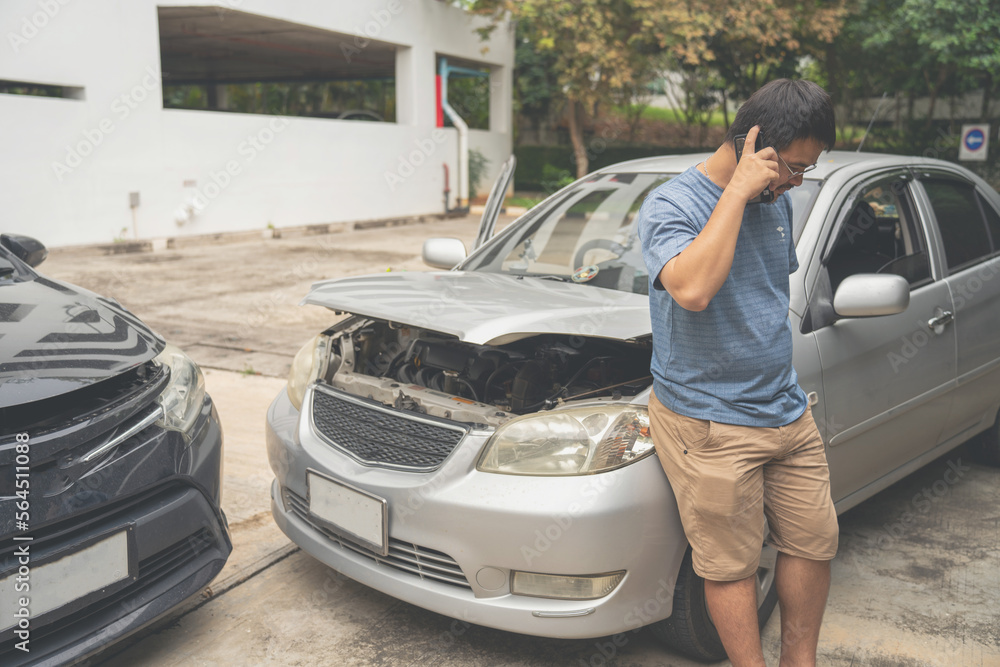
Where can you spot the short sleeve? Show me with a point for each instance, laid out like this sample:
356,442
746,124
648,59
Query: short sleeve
664,231
793,260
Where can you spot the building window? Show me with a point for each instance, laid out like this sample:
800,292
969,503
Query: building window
40,90
218,59
468,92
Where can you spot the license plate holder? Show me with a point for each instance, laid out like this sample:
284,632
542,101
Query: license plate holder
355,514
74,576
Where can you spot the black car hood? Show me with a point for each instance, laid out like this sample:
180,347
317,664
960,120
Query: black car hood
56,338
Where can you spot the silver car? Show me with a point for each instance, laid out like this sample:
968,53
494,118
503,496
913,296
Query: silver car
475,441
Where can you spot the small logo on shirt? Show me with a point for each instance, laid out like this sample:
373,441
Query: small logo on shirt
782,230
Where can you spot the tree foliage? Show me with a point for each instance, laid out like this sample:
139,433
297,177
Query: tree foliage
605,50
934,59
747,42
596,47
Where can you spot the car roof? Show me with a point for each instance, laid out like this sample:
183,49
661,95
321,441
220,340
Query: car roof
828,163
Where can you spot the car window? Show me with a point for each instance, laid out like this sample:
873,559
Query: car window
591,226
992,222
802,202
880,235
963,229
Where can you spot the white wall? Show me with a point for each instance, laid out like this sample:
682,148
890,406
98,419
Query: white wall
68,165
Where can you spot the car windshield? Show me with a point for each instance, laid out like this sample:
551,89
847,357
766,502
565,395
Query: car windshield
588,235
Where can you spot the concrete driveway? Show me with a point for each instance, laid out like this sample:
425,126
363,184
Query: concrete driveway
916,582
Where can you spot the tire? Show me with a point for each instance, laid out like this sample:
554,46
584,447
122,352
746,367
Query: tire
689,630
986,445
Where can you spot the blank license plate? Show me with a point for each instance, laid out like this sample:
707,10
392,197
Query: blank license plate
355,514
70,578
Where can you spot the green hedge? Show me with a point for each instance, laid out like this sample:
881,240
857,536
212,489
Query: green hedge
531,161
538,167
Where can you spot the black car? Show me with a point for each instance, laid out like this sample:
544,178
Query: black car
110,469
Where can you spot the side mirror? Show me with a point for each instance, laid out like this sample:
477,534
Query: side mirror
443,253
871,295
28,250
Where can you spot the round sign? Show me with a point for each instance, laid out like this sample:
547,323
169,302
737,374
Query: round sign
974,139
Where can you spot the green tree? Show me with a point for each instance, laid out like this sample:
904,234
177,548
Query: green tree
913,50
537,95
957,44
755,41
605,50
597,47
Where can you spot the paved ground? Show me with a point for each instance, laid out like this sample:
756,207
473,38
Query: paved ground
916,583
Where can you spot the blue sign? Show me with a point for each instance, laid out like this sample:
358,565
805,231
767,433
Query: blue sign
974,140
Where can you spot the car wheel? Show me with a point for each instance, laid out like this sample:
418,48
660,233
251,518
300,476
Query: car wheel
986,445
689,630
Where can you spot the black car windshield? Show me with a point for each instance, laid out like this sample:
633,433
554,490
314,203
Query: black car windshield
588,234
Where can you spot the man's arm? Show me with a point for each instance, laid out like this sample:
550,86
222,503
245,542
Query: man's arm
695,275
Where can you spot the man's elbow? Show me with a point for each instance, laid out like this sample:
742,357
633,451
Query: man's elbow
689,293
693,300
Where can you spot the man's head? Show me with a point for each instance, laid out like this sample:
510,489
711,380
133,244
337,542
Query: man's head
787,110
796,119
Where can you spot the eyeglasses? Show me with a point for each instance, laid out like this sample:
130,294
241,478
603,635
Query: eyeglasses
792,173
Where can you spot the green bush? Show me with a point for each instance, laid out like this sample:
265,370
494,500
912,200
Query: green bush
540,168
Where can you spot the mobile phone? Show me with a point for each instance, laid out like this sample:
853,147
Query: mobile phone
767,195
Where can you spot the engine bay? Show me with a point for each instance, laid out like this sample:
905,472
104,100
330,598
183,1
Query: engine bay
433,373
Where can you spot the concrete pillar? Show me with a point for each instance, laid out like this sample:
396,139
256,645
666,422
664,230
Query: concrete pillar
406,86
221,96
501,99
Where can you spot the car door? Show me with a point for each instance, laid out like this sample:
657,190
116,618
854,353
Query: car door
494,203
969,232
885,379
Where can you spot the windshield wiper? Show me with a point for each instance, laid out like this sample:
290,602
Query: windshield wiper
544,276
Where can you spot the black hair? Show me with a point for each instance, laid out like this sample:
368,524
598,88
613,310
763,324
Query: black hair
787,110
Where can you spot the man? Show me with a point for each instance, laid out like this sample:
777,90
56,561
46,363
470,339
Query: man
732,428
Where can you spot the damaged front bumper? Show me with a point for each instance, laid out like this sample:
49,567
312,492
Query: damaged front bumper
456,538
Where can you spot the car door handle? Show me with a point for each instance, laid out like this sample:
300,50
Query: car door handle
938,322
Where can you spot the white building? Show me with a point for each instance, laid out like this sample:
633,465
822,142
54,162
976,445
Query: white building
91,154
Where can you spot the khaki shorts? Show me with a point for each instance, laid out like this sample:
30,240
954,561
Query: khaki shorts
727,478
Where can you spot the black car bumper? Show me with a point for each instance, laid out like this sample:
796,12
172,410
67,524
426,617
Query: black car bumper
160,494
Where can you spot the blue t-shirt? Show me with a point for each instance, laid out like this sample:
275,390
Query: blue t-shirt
732,362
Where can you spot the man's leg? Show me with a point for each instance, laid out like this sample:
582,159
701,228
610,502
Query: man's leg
804,530
803,585
733,606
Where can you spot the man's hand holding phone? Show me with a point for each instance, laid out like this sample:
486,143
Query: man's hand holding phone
756,168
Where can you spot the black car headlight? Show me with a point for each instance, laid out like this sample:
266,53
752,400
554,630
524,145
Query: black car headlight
183,397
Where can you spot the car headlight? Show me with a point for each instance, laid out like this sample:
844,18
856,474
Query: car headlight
578,441
182,399
309,364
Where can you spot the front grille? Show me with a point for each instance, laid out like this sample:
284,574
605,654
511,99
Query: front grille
160,565
157,573
428,564
381,436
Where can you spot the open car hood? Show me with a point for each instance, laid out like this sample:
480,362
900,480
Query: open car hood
488,308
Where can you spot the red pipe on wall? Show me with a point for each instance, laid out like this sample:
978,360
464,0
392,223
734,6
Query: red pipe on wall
437,100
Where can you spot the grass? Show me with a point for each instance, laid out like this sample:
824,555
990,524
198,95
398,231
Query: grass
848,137
659,114
518,200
